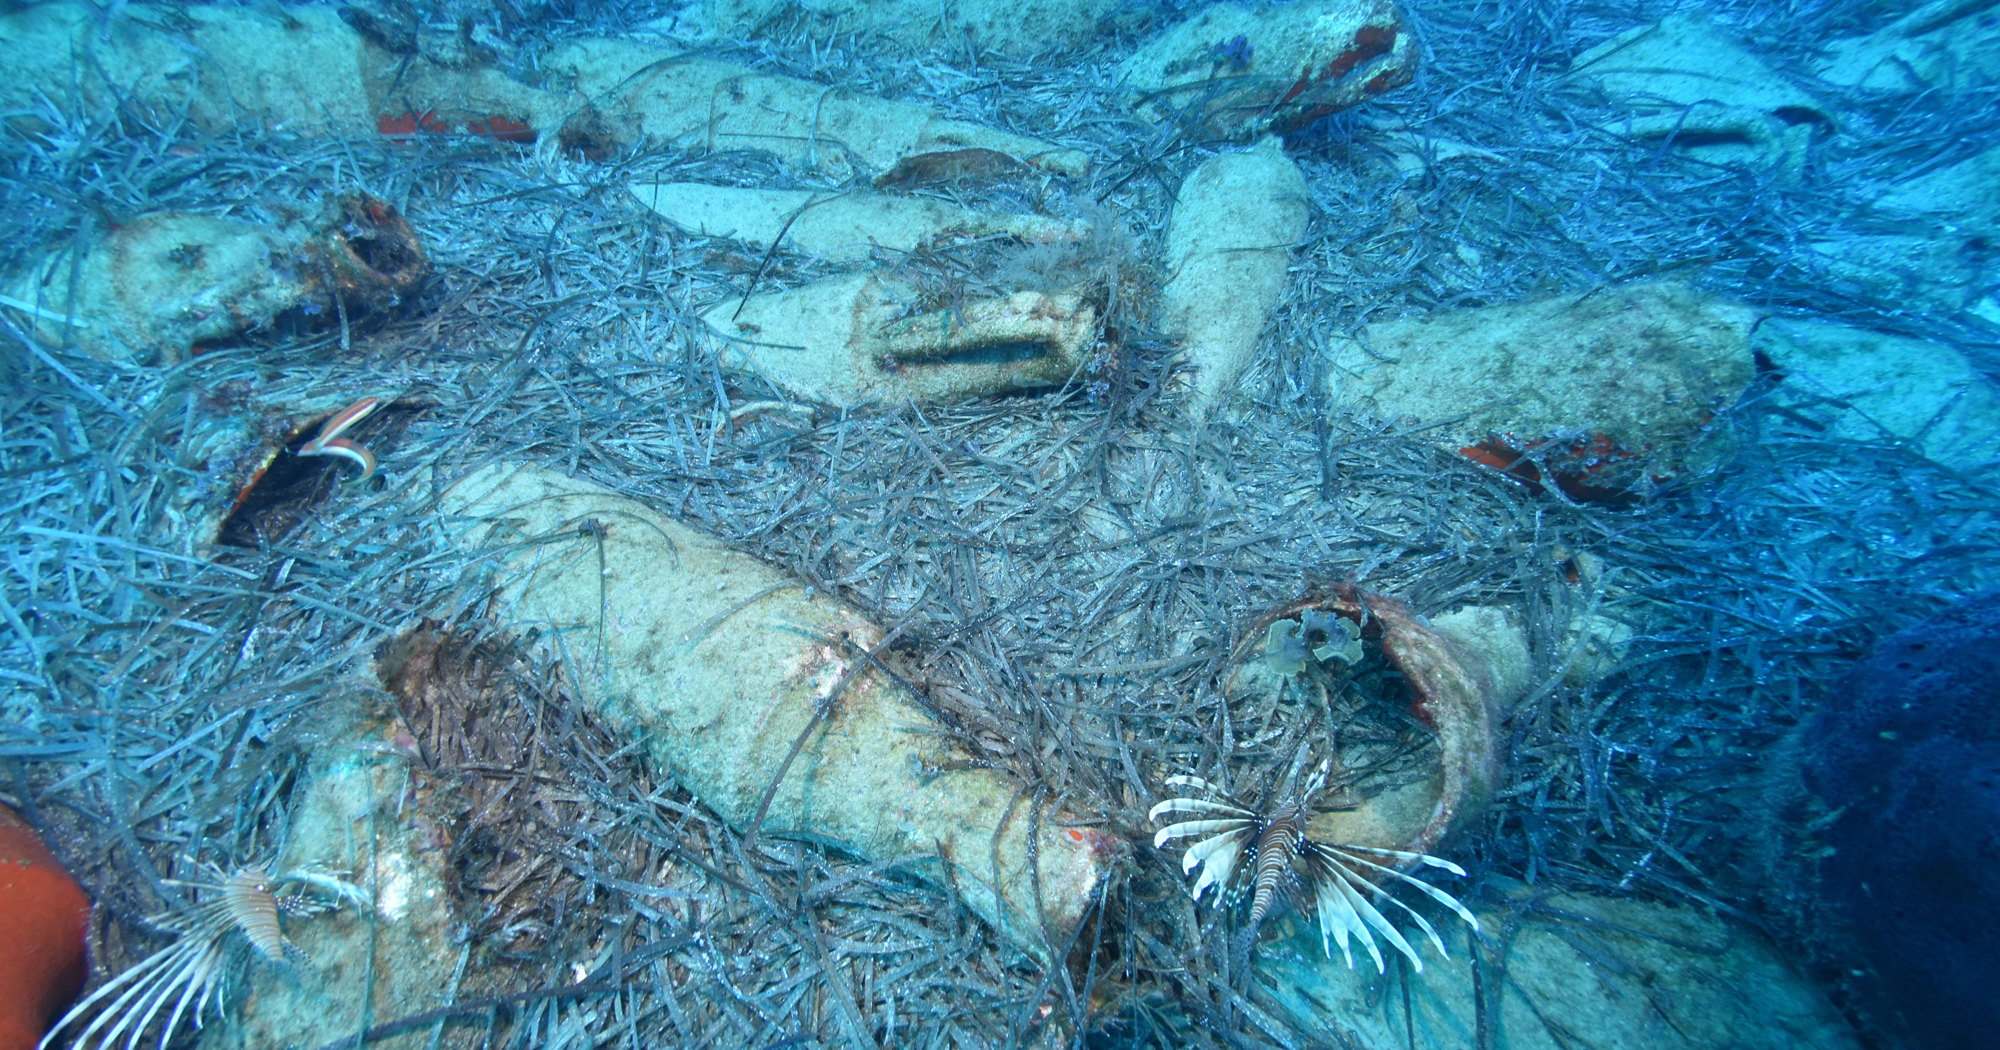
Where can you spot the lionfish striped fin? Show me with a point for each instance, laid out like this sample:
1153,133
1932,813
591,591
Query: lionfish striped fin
1350,887
147,985
1323,859
202,976
1195,805
1404,855
1189,780
1438,895
1189,828
1337,915
1218,857
1202,852
191,970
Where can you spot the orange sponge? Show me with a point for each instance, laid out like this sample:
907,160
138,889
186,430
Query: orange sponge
43,914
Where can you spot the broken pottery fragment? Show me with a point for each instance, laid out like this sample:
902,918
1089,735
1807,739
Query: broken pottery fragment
307,68
1859,385
151,289
1610,391
741,682
843,227
1495,634
1559,970
299,67
1234,73
245,479
1453,689
656,99
850,339
1927,241
293,67
1944,269
1591,642
1688,80
1229,255
1416,151
1018,28
364,810
1957,196
1945,45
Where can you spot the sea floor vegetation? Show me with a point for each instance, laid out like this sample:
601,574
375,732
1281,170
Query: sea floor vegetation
1065,574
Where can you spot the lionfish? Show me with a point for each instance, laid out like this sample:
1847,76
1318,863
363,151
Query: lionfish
191,970
1269,845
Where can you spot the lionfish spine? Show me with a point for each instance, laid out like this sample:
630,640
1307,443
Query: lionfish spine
1277,844
254,909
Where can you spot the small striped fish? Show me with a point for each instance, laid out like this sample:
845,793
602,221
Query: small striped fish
327,441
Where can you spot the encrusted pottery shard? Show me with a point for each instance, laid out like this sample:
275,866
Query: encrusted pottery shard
151,289
1614,391
1229,259
847,340
1450,689
766,701
1233,72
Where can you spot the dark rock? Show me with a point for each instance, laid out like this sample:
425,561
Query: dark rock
1911,751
